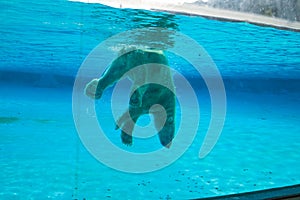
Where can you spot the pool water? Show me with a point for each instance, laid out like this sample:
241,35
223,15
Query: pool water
42,47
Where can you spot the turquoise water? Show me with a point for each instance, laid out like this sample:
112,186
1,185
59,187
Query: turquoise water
43,45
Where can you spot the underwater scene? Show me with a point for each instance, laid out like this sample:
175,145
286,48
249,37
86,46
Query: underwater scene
215,104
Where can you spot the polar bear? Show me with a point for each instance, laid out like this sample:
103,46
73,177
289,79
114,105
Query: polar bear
145,94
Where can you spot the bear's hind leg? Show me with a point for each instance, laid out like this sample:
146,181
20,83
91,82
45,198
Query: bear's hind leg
126,123
165,120
166,129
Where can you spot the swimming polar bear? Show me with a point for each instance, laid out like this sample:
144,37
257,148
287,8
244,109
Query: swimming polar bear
146,92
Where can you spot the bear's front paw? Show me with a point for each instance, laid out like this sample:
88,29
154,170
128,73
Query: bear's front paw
92,90
126,139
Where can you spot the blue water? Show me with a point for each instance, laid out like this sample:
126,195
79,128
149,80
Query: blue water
43,45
